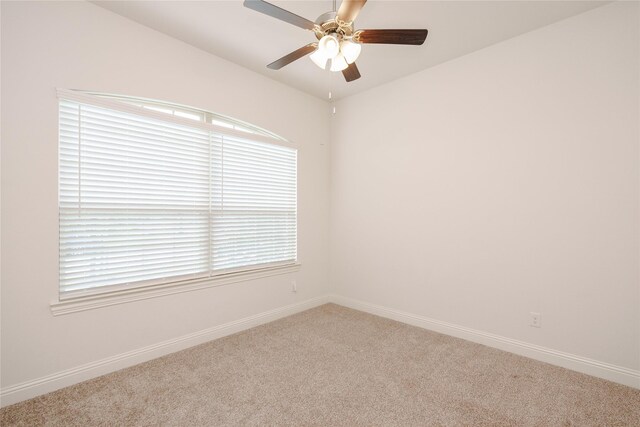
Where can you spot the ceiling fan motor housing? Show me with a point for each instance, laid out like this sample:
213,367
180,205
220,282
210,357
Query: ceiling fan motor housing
327,23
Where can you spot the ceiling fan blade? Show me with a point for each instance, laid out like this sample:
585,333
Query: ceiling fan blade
349,9
413,37
279,13
296,54
351,73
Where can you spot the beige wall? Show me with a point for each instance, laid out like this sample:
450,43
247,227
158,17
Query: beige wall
81,46
501,183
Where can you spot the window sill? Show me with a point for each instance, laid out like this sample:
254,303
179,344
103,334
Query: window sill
89,302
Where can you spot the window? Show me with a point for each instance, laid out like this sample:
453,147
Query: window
151,196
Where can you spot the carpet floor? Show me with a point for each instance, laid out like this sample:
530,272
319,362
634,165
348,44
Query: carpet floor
332,366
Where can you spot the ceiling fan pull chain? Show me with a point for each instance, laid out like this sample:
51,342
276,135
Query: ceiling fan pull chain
334,5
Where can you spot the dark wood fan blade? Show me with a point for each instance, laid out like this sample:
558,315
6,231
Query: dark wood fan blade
279,13
296,54
351,73
349,9
413,37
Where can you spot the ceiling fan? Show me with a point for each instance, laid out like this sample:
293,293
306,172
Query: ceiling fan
338,44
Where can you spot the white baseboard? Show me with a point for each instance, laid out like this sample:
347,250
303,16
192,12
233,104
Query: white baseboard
587,366
49,383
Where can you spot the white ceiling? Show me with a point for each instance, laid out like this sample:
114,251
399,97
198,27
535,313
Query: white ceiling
253,40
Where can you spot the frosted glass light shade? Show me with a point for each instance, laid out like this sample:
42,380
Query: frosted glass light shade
329,46
319,59
350,50
339,63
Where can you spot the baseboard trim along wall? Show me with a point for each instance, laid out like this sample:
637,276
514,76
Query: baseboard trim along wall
49,383
587,366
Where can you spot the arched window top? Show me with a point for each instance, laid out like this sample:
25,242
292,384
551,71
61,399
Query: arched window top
191,113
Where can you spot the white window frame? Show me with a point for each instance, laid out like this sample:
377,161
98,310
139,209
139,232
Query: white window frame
82,300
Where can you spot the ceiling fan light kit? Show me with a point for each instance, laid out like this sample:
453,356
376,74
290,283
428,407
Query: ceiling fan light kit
341,53
350,50
338,63
319,59
329,46
338,44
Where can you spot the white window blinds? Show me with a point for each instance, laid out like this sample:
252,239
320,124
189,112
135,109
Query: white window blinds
146,199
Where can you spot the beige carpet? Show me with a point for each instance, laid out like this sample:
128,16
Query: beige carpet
336,366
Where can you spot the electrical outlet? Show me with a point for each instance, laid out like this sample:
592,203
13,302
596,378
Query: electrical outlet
294,286
535,319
